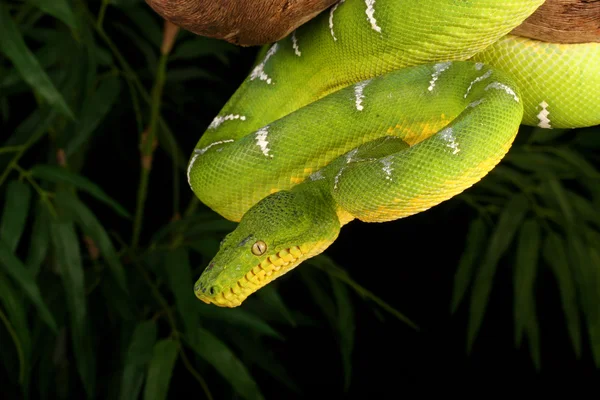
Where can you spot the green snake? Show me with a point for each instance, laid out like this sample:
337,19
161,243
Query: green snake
375,110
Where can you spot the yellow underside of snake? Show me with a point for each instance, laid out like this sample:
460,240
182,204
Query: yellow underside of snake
375,110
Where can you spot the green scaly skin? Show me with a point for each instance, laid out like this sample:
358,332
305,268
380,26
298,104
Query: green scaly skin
371,112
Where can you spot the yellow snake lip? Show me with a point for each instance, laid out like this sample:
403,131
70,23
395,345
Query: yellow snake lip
269,269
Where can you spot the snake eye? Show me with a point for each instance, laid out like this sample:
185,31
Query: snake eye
259,248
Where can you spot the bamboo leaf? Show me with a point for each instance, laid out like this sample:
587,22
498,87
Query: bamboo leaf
345,327
39,241
577,160
237,317
137,358
145,21
14,215
94,110
220,356
68,259
528,248
16,324
538,162
58,174
262,356
25,280
584,208
15,49
270,296
560,195
59,9
466,266
555,254
160,369
533,336
508,223
179,275
540,135
91,226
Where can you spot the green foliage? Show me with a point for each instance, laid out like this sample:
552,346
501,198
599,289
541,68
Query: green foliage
542,204
82,274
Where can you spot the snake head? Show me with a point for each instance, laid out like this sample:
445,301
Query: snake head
273,237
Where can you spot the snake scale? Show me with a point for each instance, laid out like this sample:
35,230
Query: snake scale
374,110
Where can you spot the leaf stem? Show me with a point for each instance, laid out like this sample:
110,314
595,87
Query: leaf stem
147,149
195,374
102,13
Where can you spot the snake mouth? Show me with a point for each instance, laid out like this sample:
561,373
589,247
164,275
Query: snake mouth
269,269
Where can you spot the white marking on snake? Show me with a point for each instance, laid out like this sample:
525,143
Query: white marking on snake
295,45
475,103
439,68
478,79
543,116
261,140
199,152
259,70
203,150
219,119
349,156
358,92
370,11
478,66
448,135
317,176
331,19
387,167
502,86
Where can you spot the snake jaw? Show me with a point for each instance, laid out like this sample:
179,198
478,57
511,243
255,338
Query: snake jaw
268,270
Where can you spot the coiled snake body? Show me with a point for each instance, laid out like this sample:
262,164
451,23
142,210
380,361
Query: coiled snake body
375,110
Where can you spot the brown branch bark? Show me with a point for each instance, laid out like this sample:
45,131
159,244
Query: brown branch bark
563,21
241,22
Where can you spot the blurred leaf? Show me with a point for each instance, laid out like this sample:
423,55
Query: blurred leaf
555,255
561,197
160,369
150,53
59,9
587,278
217,354
25,280
345,327
270,296
319,295
39,240
533,336
68,259
464,273
94,110
528,249
236,317
512,175
17,321
58,174
14,47
147,22
92,227
255,353
584,208
14,214
540,135
179,275
538,162
577,160
138,356
509,221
